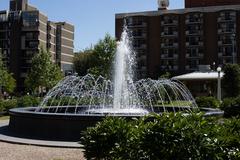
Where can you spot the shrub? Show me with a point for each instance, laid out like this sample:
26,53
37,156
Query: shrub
167,136
28,101
207,102
6,105
1,106
227,102
101,141
231,107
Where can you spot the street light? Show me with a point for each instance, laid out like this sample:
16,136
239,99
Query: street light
219,94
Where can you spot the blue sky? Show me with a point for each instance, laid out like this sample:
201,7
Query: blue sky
92,18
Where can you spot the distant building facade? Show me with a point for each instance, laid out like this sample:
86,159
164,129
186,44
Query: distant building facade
207,3
181,40
24,30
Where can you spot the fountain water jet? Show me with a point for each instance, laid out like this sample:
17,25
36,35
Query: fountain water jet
124,62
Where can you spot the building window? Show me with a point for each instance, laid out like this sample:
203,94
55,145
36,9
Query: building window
136,21
32,44
30,19
170,20
3,17
31,35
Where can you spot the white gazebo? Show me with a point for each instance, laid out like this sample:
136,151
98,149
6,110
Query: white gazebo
201,83
196,76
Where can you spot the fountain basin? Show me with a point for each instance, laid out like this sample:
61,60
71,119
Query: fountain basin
63,126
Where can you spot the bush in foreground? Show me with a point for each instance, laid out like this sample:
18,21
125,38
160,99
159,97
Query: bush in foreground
166,136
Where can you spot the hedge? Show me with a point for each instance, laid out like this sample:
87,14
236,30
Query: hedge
231,107
164,137
207,102
25,101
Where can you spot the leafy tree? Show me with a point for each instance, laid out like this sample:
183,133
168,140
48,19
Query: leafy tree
231,80
104,50
43,74
97,60
166,75
83,61
7,82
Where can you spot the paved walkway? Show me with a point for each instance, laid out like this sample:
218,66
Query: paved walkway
10,151
19,148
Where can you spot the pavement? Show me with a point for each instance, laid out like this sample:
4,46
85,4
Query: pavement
7,136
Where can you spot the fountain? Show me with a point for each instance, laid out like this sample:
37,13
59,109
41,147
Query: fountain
89,95
76,103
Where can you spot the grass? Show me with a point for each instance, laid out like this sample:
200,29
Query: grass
4,118
174,103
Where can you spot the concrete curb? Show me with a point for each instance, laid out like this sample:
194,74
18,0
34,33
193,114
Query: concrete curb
7,136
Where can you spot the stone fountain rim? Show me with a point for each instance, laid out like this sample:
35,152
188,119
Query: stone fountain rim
30,111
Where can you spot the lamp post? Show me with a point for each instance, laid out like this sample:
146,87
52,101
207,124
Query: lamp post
219,94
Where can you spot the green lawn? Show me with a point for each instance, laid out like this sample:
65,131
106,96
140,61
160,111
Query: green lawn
4,118
175,103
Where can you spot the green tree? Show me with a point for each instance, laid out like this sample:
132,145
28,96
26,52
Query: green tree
7,82
165,75
231,80
83,61
43,74
104,50
97,60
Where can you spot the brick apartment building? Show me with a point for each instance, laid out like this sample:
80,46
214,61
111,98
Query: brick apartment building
24,30
180,41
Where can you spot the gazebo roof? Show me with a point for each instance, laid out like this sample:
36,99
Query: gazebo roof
200,76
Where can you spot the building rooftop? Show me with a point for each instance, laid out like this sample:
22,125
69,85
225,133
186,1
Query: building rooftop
179,11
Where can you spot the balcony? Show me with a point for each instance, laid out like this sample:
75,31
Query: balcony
225,42
194,32
227,18
137,25
226,31
143,46
169,34
143,69
30,28
143,57
194,56
225,55
227,13
194,21
4,29
170,67
143,35
169,22
188,44
167,56
169,45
